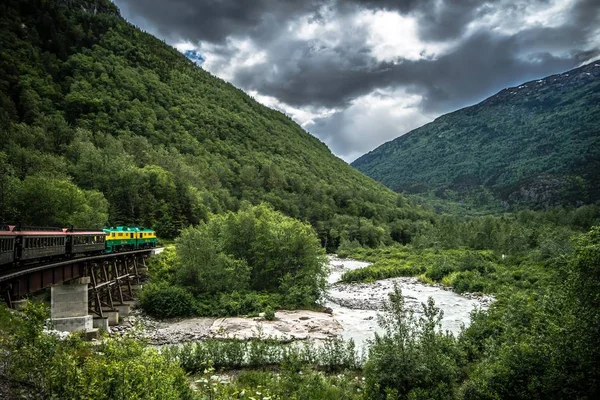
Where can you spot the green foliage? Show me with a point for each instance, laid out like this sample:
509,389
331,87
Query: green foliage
162,266
543,344
46,201
256,248
481,254
413,359
163,300
299,385
333,355
203,265
535,145
269,314
41,365
86,97
237,264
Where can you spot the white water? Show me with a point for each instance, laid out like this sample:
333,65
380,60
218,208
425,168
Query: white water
355,306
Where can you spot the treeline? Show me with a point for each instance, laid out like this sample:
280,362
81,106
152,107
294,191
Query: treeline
487,254
89,100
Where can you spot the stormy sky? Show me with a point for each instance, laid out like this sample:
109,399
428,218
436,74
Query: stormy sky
357,73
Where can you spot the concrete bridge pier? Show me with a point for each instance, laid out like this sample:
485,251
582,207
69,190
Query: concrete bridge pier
69,308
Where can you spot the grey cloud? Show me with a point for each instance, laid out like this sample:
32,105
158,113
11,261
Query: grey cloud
215,20
438,20
308,74
482,64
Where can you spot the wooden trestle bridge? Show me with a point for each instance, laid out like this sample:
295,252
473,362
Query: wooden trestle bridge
109,280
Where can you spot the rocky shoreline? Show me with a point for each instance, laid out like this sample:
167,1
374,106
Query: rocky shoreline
352,312
288,326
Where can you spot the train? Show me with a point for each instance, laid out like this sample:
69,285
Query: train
28,244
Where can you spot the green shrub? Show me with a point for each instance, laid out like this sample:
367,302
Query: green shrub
42,365
413,359
269,314
162,266
162,300
256,249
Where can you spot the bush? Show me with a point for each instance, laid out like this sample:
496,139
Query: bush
255,249
413,359
269,314
162,266
42,365
162,300
332,355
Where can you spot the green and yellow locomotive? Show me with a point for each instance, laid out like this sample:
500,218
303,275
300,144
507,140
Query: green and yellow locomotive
123,238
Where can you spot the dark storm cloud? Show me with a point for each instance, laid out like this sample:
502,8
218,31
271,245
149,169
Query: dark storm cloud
215,20
438,20
313,73
306,73
480,65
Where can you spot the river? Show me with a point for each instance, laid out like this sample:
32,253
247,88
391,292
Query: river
354,308
356,305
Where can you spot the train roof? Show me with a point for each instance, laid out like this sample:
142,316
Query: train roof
6,230
85,232
27,228
13,230
39,233
127,229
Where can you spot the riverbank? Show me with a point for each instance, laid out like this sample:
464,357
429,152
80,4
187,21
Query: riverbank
354,308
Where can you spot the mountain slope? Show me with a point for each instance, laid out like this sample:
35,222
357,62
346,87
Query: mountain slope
101,121
537,144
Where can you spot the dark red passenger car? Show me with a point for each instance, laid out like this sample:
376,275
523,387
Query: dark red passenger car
39,243
85,241
7,245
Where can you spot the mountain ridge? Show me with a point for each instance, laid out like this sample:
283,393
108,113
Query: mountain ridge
99,111
463,149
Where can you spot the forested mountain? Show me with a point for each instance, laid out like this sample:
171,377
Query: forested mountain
103,123
535,145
